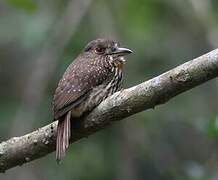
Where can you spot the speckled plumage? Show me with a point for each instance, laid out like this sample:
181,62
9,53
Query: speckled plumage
94,75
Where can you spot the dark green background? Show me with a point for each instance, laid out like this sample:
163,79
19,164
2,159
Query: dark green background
177,140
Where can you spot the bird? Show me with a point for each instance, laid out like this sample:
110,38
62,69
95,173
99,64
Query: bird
95,74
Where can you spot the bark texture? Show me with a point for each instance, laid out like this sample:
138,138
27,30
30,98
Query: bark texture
20,150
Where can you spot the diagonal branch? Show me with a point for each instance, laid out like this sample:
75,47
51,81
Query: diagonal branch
20,150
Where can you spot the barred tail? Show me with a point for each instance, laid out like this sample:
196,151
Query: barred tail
63,137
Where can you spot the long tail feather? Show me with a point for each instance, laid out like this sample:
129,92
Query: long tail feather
63,137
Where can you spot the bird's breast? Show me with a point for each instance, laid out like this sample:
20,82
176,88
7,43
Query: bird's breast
102,91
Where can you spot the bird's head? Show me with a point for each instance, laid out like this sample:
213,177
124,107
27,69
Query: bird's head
107,47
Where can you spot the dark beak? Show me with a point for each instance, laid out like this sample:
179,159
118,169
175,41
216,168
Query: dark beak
121,51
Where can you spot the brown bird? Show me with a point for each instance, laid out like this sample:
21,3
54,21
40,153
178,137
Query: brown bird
93,76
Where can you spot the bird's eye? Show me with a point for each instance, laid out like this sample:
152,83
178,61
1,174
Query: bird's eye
99,50
113,49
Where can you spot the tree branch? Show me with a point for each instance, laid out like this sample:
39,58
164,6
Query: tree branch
20,150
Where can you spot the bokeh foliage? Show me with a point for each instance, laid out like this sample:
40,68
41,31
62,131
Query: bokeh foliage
177,140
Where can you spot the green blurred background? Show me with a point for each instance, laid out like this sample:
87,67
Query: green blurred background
177,140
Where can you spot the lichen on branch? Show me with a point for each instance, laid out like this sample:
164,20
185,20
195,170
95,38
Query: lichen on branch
20,150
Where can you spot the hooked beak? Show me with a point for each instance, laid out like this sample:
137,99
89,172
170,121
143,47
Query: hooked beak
121,51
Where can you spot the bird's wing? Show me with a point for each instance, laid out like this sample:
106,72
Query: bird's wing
75,86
